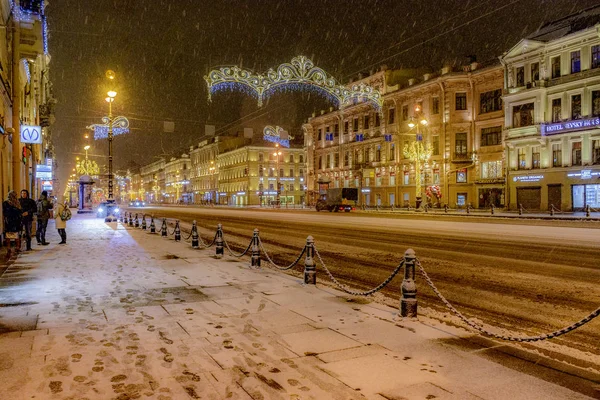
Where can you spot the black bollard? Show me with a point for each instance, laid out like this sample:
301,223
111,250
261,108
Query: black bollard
152,226
195,236
125,218
130,219
137,221
310,270
163,228
551,209
468,208
587,210
446,208
255,250
520,209
177,231
144,222
219,242
408,302
492,209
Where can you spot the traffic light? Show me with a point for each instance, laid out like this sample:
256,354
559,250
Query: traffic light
24,155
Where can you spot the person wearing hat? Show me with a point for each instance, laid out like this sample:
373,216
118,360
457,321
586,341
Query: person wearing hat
44,213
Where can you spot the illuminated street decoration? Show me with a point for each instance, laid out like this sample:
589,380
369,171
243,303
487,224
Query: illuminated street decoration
277,135
120,126
87,167
300,74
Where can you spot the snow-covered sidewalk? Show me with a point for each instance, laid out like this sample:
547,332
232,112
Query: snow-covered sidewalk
119,313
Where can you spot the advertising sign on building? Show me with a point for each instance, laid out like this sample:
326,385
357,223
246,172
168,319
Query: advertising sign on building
31,134
43,172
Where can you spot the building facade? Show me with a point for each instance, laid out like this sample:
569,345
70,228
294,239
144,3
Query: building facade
461,134
153,181
552,117
177,180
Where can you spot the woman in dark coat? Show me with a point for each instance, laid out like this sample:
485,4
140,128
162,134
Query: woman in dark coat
12,212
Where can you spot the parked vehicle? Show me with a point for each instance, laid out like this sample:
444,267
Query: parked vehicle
338,199
105,208
137,203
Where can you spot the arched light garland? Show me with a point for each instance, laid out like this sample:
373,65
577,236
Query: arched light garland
120,126
27,70
274,134
300,74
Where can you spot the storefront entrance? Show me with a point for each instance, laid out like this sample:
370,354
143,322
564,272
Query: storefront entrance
584,195
529,197
494,196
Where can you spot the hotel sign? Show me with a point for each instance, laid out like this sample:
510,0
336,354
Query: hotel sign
568,126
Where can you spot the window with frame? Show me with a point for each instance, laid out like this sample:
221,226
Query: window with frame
576,106
301,172
575,61
328,165
535,157
392,153
367,157
291,172
280,172
556,155
461,176
435,145
346,126
491,169
520,76
301,158
576,153
490,101
406,177
271,172
596,151
436,176
460,101
491,136
377,120
535,71
555,67
355,124
378,153
596,103
522,158
556,110
261,171
261,157
320,135
336,129
435,105
523,115
346,158
336,160
271,186
391,114
291,158
320,162
595,56
405,113
460,144
366,122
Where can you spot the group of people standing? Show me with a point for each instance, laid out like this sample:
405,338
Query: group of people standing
18,219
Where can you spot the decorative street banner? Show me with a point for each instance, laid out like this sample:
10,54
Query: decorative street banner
120,126
31,134
277,135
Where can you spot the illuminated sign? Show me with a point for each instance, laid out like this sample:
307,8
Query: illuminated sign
365,190
584,174
528,178
31,134
574,125
43,172
241,193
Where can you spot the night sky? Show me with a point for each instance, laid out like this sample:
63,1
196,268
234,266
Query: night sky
161,49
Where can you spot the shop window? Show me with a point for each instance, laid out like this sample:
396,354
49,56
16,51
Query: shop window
523,115
520,76
556,155
556,110
460,101
435,105
535,157
391,114
596,56
461,176
435,145
576,106
575,61
491,136
491,169
522,158
490,101
405,113
461,199
555,65
576,153
535,71
596,152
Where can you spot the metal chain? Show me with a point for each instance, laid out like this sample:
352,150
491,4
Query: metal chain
234,254
262,247
511,338
190,235
206,246
556,209
350,291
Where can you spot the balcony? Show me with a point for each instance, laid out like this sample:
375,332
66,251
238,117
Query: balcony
460,158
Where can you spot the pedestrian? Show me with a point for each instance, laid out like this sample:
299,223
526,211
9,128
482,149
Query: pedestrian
44,212
11,209
29,209
63,214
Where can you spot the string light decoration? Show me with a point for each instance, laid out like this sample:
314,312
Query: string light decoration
27,70
120,126
87,167
299,74
276,134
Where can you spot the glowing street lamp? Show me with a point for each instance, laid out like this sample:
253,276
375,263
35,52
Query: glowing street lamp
417,150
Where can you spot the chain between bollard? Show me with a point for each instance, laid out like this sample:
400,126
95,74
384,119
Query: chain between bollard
350,291
509,338
231,252
292,265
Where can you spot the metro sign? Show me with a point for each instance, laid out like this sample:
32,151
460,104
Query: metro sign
31,134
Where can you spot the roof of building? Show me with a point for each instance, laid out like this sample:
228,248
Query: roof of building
575,22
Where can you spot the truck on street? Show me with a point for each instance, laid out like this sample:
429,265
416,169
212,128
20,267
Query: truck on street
338,199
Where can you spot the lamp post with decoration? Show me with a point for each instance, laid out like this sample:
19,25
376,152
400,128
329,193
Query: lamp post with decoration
418,150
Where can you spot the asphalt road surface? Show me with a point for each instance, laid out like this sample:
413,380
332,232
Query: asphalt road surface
521,277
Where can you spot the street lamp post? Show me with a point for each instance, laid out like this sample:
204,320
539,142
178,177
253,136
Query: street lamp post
277,154
111,97
418,151
212,175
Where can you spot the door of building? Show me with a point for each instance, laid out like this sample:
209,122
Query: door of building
554,196
530,197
